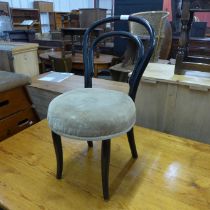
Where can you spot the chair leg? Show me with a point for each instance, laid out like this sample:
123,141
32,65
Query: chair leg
90,143
105,159
132,144
59,154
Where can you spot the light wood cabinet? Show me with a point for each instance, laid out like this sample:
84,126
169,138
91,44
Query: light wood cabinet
19,58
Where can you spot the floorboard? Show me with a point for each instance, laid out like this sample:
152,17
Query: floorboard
170,173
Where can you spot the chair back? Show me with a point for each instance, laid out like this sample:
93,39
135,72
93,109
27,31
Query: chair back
143,56
157,19
63,64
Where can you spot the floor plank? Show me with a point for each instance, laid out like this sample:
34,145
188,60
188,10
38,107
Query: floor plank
170,173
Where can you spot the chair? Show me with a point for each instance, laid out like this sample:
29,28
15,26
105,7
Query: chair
157,20
94,114
63,64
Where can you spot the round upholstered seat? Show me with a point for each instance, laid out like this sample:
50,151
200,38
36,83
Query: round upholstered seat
91,114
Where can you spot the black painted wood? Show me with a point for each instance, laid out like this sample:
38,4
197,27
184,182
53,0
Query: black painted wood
90,143
105,160
132,143
59,154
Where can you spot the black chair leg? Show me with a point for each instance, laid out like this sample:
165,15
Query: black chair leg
90,143
132,144
105,159
59,154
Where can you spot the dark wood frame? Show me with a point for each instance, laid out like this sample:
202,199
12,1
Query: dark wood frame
184,62
142,61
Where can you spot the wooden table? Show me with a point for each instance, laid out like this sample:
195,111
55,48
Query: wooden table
170,173
103,62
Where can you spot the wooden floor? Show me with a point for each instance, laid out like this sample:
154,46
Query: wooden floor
170,173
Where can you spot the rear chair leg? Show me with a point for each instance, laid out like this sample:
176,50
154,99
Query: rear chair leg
90,143
132,144
59,154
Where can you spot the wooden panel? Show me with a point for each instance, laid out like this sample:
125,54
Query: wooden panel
17,122
190,115
43,6
13,101
151,96
5,7
170,173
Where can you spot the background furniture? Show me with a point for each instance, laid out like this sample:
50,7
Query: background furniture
19,15
159,100
21,35
196,46
162,27
157,19
43,6
63,64
59,20
127,7
16,112
4,6
19,58
74,32
184,62
88,16
103,62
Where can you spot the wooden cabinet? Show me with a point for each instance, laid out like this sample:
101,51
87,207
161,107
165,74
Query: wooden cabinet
60,20
4,6
19,15
19,58
16,112
43,6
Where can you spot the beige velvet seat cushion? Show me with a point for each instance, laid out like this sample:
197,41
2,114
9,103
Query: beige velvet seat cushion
91,114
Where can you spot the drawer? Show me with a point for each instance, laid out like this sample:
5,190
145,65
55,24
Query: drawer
17,122
13,101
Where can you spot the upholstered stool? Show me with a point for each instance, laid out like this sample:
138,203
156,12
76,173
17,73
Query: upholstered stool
93,114
78,114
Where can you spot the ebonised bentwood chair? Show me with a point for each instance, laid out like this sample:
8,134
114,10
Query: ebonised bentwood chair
94,114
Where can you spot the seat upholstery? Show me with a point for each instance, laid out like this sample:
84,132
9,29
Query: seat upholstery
91,114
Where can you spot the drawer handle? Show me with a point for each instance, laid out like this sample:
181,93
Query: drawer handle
24,122
4,103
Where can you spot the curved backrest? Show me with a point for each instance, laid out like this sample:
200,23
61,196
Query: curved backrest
61,64
142,58
157,20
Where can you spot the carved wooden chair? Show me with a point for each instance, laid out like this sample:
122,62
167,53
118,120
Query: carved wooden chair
93,114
